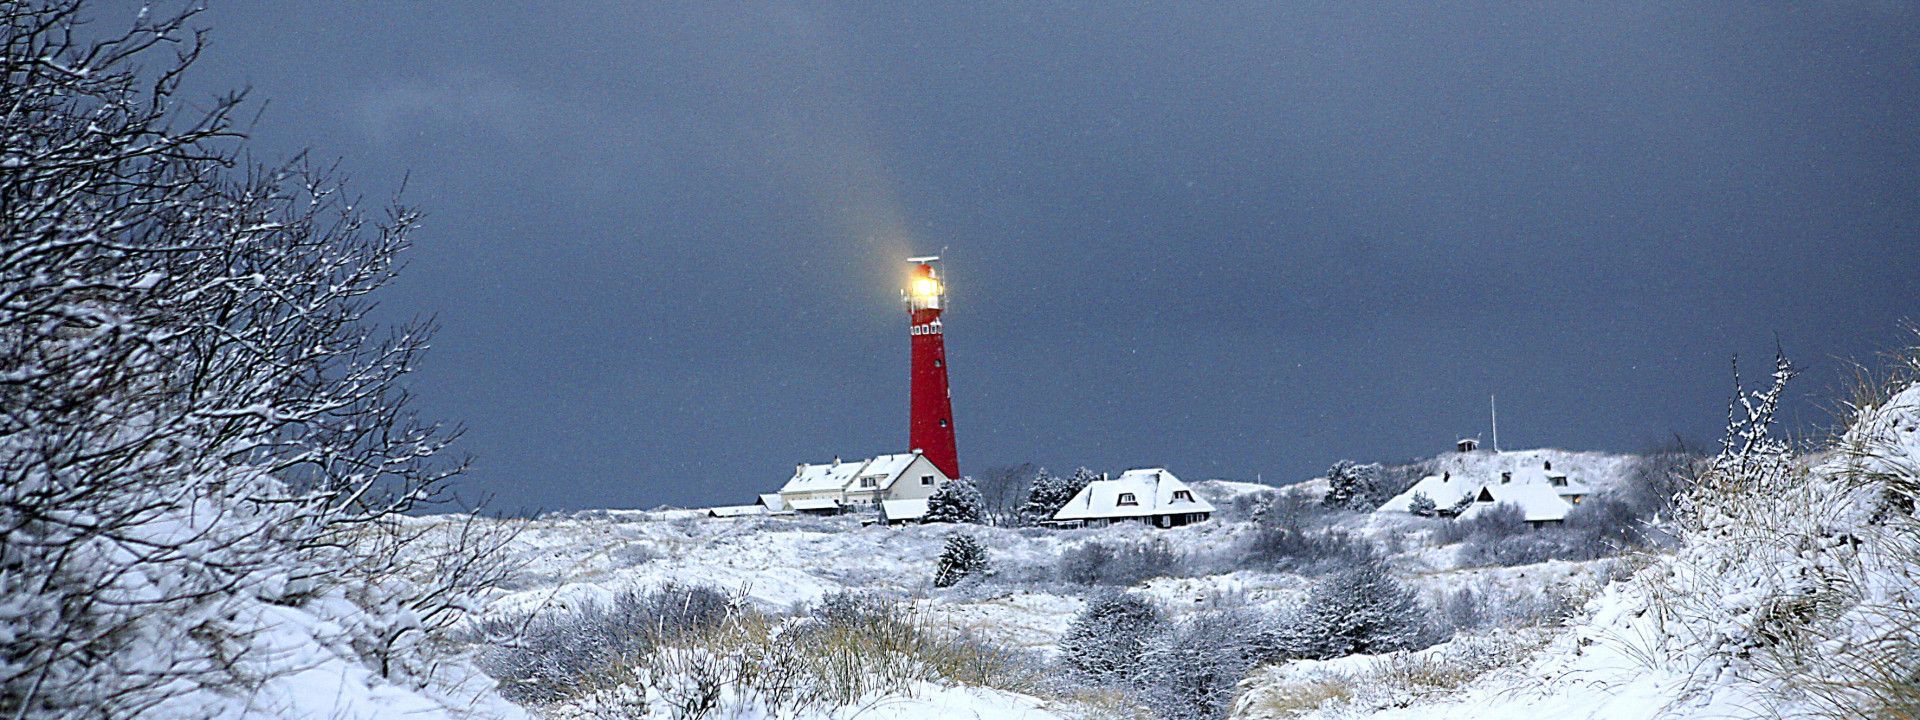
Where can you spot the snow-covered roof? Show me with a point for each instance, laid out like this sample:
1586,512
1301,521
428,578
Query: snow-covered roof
890,467
1152,492
838,475
773,502
729,511
1541,474
899,510
1444,490
816,478
825,503
1536,500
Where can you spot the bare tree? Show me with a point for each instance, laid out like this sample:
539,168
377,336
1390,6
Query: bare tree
1005,488
193,405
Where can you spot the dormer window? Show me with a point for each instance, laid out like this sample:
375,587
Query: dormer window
1182,495
1558,480
1127,499
871,481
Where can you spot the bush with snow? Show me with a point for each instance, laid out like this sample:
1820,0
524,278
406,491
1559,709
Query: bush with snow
1106,639
958,501
1119,563
1045,497
1274,547
1353,486
963,557
1360,610
547,656
1192,670
1422,506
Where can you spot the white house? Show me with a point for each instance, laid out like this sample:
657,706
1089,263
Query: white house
1543,494
858,485
1537,502
1150,495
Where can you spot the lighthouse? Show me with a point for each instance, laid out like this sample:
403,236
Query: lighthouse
930,421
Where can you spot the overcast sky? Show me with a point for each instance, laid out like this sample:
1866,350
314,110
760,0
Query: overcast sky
665,242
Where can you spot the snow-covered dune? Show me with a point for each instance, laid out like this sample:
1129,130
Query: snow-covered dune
1793,596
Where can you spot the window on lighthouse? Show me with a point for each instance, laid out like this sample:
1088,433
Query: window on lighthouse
943,422
937,363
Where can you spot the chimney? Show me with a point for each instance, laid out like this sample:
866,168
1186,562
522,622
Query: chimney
1549,464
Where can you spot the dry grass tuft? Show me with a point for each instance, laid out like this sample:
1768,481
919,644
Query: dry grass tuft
1295,699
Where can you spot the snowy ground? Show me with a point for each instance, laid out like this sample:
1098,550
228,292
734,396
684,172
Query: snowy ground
1793,596
781,563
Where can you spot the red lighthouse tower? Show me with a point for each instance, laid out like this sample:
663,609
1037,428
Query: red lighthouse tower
930,423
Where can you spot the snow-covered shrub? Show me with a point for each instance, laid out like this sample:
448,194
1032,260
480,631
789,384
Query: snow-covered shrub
206,448
1453,665
1360,610
1118,563
1422,506
553,654
1273,547
1603,526
849,607
1045,496
1489,527
1106,639
1353,486
1191,670
958,501
1473,607
1080,479
1462,609
1244,507
962,558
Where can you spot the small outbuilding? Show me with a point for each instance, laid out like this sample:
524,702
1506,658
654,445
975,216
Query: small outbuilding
1150,495
899,512
736,511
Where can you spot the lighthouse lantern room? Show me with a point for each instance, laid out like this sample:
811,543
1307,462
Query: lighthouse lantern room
930,423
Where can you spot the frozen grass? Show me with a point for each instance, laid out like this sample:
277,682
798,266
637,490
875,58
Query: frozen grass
695,653
1299,698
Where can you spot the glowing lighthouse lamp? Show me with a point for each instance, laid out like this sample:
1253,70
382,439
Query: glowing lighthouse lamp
930,420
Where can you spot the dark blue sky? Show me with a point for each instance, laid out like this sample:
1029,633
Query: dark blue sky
665,242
